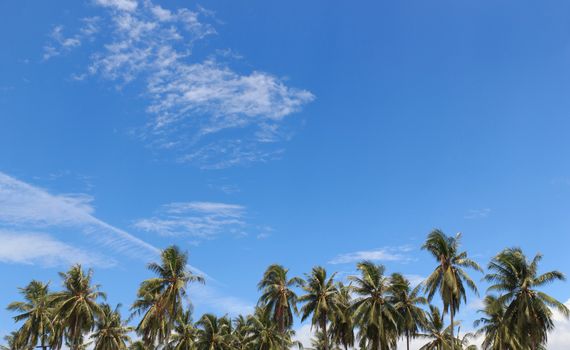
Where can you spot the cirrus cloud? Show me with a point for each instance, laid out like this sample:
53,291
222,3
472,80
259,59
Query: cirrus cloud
200,109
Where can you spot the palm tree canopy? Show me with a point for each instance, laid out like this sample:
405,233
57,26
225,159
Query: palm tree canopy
493,326
342,325
160,299
277,295
111,333
373,310
527,308
320,296
407,301
184,335
213,333
438,335
37,313
76,306
449,277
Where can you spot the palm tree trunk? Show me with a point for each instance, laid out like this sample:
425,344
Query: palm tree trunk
452,327
408,339
325,336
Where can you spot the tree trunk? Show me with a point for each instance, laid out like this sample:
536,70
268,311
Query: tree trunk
452,326
324,329
408,339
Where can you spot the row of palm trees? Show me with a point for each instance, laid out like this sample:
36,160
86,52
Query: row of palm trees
370,310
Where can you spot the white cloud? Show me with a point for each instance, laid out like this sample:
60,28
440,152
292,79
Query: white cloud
196,219
211,298
304,334
204,111
477,213
122,5
42,249
382,254
59,43
475,304
415,279
24,205
559,339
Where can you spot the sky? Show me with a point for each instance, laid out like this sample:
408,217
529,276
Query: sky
299,133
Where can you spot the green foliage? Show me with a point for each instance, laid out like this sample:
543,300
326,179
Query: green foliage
527,312
374,311
449,276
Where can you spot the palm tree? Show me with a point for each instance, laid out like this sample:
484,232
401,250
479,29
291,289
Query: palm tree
184,335
11,342
76,306
319,341
36,312
319,300
111,333
139,345
342,325
264,334
438,335
449,278
527,308
493,326
213,333
240,332
278,298
373,310
159,299
406,301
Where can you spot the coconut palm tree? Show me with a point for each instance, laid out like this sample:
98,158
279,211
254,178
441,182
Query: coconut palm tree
449,277
342,323
319,301
373,311
76,307
494,327
213,333
527,308
264,334
439,336
407,302
11,341
111,333
278,297
139,345
160,299
37,313
184,336
240,332
319,341
152,327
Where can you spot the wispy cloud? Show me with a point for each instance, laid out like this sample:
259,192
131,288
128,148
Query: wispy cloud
477,213
196,219
122,5
210,297
204,111
382,254
45,251
59,43
415,279
25,206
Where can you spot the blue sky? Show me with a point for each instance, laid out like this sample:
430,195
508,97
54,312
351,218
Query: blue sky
295,132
